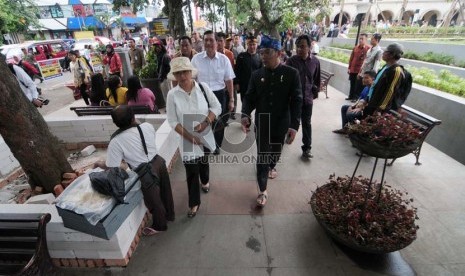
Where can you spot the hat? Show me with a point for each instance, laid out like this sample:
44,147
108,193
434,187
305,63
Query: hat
270,42
181,64
396,49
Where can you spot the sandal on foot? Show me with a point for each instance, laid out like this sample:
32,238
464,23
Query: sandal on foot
206,188
192,213
272,174
149,231
261,200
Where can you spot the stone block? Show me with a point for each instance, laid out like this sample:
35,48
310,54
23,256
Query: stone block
41,199
69,176
58,189
117,262
5,196
99,262
65,183
90,263
82,263
88,150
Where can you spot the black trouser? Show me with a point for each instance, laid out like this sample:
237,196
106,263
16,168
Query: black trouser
222,98
358,87
158,198
306,118
83,91
353,80
195,168
268,153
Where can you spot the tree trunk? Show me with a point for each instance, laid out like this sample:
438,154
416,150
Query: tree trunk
341,14
27,135
367,16
175,17
270,25
402,11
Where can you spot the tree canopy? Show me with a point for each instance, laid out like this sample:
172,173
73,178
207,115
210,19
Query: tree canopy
265,15
17,15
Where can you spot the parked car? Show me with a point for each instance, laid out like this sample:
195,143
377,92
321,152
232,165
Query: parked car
42,50
79,45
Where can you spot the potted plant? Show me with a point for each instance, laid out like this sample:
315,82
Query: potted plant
385,136
149,77
376,220
359,212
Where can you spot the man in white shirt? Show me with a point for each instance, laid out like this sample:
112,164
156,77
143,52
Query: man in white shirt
215,70
237,46
126,144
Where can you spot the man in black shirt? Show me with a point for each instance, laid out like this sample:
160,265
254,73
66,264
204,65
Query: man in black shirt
275,93
246,63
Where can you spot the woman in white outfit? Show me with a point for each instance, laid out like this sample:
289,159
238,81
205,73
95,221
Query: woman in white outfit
190,112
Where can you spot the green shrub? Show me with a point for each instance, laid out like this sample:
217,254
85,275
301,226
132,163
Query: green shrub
343,46
444,81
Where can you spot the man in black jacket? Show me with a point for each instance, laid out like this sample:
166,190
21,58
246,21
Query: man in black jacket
386,86
308,66
246,63
275,94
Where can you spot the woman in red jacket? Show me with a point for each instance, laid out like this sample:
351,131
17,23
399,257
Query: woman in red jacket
113,61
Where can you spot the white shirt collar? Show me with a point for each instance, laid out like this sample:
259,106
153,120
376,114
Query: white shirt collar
206,56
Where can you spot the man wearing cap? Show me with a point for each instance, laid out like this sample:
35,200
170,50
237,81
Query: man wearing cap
308,66
387,81
275,94
246,63
215,70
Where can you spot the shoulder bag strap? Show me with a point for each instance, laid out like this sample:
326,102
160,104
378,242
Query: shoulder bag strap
143,142
204,94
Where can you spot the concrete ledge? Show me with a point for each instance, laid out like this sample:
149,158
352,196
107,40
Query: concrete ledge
78,132
418,64
449,108
73,248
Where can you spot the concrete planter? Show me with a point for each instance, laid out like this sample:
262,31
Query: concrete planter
420,47
419,64
449,108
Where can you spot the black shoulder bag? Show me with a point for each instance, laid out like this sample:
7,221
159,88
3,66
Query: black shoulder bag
217,125
144,171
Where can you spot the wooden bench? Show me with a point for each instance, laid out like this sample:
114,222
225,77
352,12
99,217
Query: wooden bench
325,77
23,244
423,121
106,110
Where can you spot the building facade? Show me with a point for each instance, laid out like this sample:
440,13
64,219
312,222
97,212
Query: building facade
416,11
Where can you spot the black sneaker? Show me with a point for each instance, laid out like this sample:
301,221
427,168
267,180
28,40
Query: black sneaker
307,154
348,99
216,151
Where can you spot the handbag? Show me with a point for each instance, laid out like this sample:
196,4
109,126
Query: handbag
217,125
144,170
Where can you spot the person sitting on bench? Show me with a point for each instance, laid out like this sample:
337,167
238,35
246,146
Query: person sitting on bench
349,113
135,143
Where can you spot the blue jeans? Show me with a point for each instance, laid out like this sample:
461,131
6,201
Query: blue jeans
349,118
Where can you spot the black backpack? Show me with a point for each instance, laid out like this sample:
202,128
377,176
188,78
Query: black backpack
404,89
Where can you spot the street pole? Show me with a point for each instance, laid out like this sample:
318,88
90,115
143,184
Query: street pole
358,29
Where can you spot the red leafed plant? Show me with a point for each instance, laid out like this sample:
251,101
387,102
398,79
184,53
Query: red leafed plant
387,129
385,222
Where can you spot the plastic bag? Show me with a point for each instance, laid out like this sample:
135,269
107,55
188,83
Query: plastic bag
82,199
